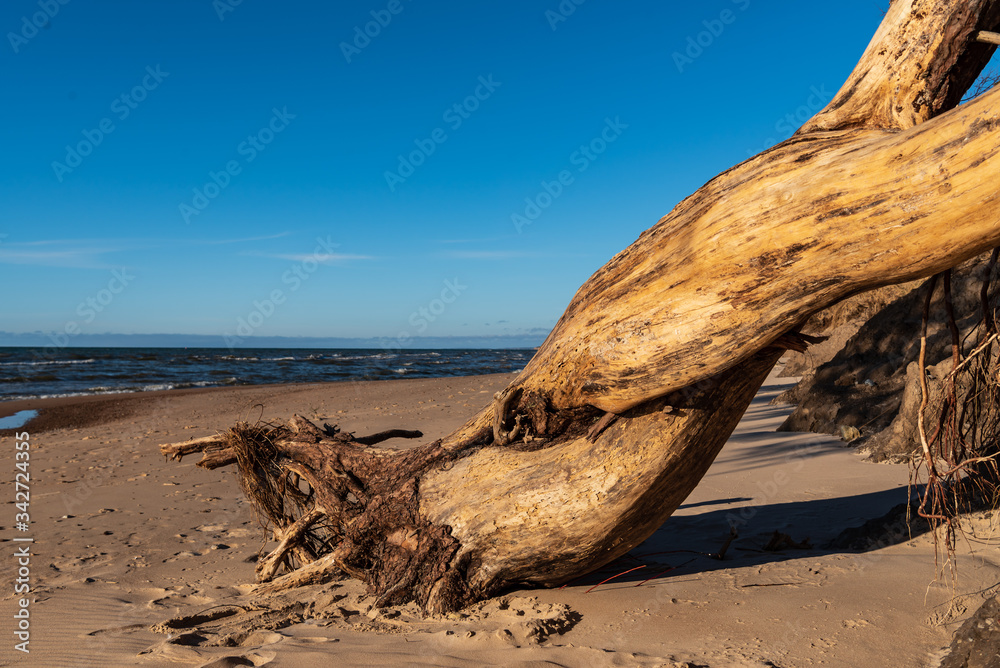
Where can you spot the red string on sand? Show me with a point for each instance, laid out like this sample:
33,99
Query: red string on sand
613,577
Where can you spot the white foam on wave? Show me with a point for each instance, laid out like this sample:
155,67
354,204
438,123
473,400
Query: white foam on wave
47,363
108,390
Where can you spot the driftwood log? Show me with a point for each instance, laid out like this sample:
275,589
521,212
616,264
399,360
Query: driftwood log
629,400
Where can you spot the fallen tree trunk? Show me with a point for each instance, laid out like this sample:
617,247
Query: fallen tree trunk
633,394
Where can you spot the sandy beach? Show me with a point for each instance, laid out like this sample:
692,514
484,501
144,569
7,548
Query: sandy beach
124,540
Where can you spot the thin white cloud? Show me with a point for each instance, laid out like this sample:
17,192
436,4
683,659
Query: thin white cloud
87,253
321,258
75,243
63,253
210,242
474,241
489,255
51,258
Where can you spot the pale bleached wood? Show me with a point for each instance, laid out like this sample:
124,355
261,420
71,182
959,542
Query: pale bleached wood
765,245
316,572
688,308
179,450
989,37
288,538
549,516
920,62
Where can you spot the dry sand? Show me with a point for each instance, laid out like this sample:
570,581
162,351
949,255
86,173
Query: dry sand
124,540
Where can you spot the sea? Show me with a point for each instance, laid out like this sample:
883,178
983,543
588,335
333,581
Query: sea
27,373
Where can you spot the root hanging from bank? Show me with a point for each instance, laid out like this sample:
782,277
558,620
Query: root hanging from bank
958,458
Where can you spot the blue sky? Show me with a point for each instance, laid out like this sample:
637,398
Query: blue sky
222,154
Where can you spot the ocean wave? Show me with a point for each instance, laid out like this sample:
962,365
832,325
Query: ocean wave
111,389
143,371
126,389
63,395
185,385
89,361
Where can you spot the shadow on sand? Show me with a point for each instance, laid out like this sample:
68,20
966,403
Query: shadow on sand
689,544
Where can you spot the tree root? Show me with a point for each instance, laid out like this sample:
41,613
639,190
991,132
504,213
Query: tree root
322,570
177,451
288,539
336,505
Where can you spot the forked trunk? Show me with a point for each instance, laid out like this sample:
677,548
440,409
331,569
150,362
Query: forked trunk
663,348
